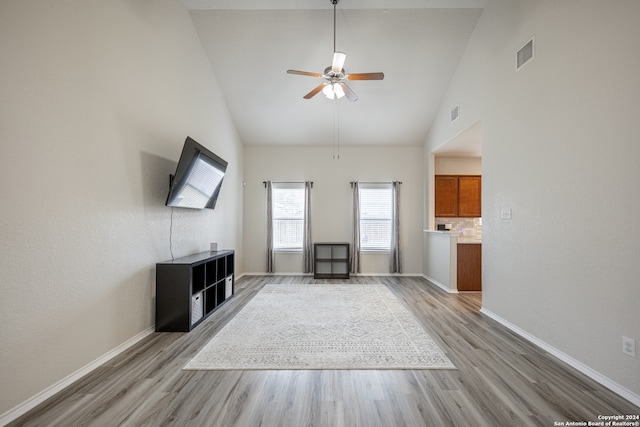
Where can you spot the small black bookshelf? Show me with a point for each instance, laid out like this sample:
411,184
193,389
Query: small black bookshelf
191,288
331,260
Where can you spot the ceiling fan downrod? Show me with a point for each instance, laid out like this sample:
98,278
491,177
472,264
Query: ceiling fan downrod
334,2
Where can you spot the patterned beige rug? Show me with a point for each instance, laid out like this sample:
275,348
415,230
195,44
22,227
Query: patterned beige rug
335,326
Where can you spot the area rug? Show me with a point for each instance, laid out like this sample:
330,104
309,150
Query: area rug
327,326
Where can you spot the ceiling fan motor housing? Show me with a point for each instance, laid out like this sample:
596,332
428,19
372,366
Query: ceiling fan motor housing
329,74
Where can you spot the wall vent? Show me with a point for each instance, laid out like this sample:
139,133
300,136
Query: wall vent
455,113
525,54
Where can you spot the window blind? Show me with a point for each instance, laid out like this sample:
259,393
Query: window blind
288,215
375,217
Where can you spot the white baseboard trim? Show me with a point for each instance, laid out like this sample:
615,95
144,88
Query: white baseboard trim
440,285
386,274
588,371
50,391
276,274
351,274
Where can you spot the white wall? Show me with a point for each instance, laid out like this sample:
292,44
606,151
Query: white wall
440,261
331,198
97,99
560,148
458,166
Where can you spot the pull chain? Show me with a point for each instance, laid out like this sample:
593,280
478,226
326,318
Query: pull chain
336,130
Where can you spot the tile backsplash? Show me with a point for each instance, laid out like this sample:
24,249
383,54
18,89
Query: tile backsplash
471,227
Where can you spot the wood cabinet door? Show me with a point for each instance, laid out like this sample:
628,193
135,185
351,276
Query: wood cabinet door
446,188
469,196
469,267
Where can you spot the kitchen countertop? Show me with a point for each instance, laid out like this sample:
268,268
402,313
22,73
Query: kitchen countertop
469,241
463,240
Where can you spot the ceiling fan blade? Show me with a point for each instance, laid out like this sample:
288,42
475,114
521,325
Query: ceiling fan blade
304,73
365,76
338,62
315,91
351,96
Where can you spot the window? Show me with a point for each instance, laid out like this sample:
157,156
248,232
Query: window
375,217
288,216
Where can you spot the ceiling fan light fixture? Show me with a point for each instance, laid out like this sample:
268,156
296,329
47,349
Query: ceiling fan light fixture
338,61
333,91
328,91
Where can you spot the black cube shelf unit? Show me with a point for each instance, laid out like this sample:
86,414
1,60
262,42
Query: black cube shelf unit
191,288
331,260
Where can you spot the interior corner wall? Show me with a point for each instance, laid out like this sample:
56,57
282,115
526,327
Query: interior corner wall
331,198
97,100
560,149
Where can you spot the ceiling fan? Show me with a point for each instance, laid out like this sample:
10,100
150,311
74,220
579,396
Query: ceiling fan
334,86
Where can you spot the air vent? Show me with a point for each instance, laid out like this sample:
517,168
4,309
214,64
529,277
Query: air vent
524,55
455,113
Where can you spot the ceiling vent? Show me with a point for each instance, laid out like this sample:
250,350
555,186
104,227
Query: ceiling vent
524,55
455,113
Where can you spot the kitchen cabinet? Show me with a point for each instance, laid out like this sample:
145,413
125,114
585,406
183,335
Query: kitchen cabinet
470,196
469,267
458,196
446,196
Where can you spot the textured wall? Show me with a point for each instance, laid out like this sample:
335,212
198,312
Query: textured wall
97,99
560,148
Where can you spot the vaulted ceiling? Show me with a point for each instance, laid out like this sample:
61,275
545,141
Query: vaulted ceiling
252,43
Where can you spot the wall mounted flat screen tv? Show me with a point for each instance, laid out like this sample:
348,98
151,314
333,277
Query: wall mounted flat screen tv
198,178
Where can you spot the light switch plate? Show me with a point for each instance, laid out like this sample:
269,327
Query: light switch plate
629,346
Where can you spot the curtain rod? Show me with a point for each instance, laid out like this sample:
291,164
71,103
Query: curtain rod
288,182
374,182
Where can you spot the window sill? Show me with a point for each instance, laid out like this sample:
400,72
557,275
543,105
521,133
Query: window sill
288,251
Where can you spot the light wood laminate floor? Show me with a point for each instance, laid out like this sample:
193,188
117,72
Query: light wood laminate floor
501,379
